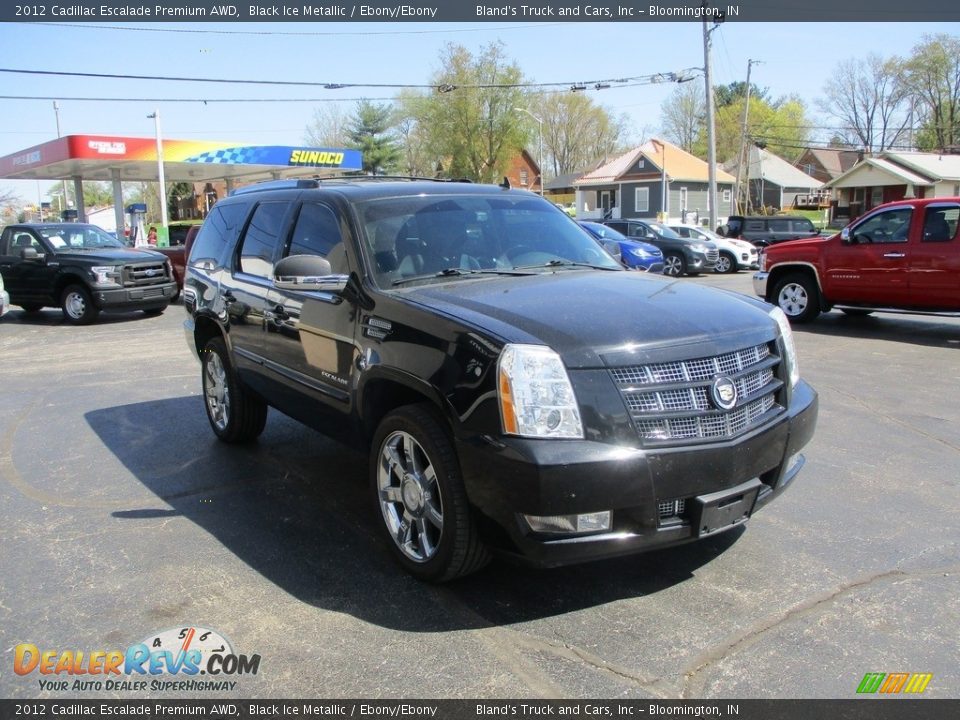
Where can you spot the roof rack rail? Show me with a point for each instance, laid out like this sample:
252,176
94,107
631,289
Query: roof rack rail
288,184
388,178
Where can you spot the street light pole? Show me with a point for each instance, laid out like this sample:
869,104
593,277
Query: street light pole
711,140
56,112
540,158
155,115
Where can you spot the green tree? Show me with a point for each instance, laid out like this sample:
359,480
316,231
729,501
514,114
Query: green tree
95,194
178,191
369,131
932,75
783,126
470,122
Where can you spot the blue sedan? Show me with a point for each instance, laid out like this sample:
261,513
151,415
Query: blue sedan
634,254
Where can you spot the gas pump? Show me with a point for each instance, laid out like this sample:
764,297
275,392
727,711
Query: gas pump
138,234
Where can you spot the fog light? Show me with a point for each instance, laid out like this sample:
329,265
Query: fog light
569,524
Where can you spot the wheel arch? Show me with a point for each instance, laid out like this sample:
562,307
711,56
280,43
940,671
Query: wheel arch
778,271
385,392
65,280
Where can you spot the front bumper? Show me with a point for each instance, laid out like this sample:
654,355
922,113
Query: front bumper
4,302
760,284
507,478
134,298
700,263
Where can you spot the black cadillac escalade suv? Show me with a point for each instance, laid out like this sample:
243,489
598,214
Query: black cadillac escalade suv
472,338
83,270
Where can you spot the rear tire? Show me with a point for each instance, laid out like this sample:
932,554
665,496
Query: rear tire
418,490
235,413
32,308
77,305
798,296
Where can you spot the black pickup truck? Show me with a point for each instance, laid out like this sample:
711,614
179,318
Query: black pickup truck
83,270
472,340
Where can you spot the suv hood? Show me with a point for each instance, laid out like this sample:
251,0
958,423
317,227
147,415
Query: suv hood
111,255
593,319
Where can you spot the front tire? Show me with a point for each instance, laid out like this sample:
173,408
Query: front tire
77,305
416,483
726,263
798,296
236,415
674,265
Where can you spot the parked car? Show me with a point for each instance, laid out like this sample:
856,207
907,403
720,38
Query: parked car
178,254
902,256
518,391
633,253
83,270
4,299
764,230
681,256
733,254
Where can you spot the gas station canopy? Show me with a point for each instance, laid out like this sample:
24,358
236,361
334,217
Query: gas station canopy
129,159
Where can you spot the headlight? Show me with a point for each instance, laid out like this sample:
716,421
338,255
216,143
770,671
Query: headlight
106,274
640,253
789,349
536,398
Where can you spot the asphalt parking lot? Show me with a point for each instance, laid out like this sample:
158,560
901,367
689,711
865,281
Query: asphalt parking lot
123,517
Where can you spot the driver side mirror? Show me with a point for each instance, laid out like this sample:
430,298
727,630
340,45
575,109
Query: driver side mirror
307,272
30,254
845,236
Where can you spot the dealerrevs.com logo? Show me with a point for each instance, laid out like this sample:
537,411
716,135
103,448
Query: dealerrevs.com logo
172,660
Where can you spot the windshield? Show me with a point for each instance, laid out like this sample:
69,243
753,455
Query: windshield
78,237
445,237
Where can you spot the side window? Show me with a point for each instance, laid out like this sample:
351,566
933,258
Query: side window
891,226
261,239
5,241
317,232
217,232
940,223
780,226
755,225
803,226
619,227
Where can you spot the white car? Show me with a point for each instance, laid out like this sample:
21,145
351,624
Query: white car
734,254
4,299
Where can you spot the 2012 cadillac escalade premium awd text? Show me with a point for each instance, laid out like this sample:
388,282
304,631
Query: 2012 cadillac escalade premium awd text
472,338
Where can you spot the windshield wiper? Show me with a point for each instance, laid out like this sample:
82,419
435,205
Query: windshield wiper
565,263
454,272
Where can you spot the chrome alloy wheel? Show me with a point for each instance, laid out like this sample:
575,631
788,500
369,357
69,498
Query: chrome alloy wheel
410,496
75,304
723,265
793,299
216,391
673,266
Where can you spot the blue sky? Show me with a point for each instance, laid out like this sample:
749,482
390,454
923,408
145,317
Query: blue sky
798,58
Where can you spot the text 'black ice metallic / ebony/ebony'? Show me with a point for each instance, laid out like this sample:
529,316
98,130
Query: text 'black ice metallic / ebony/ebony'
473,340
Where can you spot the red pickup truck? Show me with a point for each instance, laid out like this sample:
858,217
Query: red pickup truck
903,256
178,254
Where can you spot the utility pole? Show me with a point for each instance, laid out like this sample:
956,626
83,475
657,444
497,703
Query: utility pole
745,206
711,128
155,116
56,112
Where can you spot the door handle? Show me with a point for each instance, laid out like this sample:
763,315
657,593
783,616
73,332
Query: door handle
894,255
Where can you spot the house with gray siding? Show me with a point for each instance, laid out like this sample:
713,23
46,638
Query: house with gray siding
654,180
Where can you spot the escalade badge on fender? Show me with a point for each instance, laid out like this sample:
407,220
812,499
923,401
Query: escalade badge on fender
724,392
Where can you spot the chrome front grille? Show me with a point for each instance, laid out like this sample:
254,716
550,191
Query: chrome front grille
152,273
673,402
713,255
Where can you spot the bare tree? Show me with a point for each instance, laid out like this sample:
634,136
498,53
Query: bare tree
576,131
933,75
330,127
869,97
683,114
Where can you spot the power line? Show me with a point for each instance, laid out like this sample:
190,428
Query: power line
575,85
204,101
